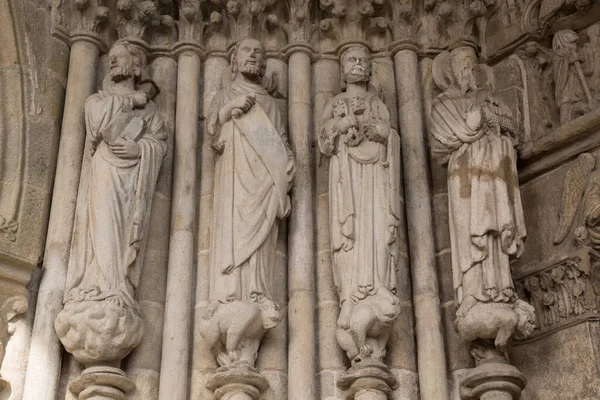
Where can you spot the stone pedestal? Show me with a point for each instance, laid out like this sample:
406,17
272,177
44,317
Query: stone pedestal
237,381
102,383
368,380
493,380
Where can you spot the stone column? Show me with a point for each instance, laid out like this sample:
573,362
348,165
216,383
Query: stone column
45,354
143,365
430,344
178,308
331,358
301,256
203,363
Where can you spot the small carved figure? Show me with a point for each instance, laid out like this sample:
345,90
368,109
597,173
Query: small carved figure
253,175
127,142
572,92
355,131
532,285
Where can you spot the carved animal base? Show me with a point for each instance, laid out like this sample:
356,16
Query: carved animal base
492,380
367,380
234,330
237,381
102,383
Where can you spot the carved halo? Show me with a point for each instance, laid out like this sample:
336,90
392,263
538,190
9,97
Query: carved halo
442,75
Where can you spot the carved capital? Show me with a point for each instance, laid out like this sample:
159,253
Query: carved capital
81,20
191,24
229,21
469,21
299,28
145,21
347,21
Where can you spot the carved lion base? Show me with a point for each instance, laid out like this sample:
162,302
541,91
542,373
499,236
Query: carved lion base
238,381
102,383
368,380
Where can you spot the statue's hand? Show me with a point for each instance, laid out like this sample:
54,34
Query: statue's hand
474,119
242,103
140,99
125,148
346,123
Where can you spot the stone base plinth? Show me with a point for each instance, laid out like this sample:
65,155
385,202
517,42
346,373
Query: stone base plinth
492,381
237,382
102,383
368,380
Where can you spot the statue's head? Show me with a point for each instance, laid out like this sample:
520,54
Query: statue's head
533,283
526,319
356,64
463,62
565,39
126,60
249,59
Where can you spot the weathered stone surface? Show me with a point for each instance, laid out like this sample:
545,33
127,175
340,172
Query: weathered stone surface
538,65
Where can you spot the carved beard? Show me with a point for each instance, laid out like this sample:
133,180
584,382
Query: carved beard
357,74
121,73
466,82
251,70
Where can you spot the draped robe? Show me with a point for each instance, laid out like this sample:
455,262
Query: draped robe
115,200
486,220
364,201
250,195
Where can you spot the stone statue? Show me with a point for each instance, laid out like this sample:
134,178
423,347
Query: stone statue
473,132
101,321
253,174
365,210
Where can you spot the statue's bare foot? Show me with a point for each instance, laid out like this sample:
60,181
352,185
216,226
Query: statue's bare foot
116,301
344,318
366,351
467,304
222,359
233,356
388,295
211,309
